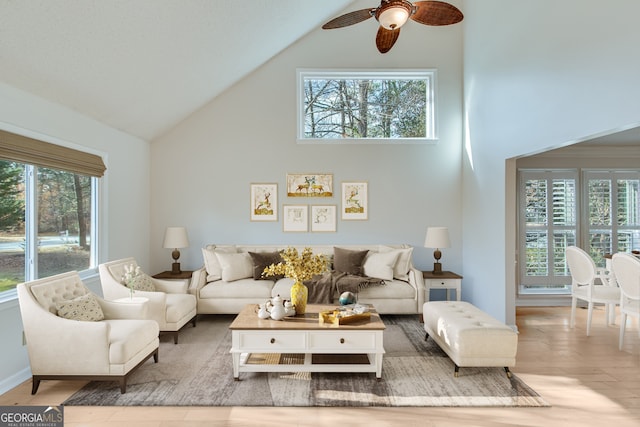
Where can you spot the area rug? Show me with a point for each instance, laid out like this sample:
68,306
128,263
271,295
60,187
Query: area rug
415,372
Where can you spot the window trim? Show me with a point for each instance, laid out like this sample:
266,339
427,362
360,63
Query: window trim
582,176
550,279
399,74
98,200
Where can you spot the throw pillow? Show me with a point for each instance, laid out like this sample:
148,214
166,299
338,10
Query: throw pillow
211,264
85,308
141,282
380,264
348,261
262,260
401,269
235,266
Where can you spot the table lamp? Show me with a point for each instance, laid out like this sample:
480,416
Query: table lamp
176,238
437,237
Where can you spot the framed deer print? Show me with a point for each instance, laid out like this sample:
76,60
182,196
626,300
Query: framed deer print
309,185
264,202
355,201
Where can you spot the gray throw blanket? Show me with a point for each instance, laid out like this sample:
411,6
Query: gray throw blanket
323,286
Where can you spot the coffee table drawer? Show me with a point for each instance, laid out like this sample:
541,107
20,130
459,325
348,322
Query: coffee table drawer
337,341
271,341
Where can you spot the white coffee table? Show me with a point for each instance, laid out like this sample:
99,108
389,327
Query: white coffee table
304,335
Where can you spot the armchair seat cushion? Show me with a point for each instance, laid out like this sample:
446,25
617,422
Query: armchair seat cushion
179,305
127,338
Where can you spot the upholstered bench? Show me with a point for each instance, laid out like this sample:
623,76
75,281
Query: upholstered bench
469,336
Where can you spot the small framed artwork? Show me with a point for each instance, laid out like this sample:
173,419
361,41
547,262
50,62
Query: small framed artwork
264,202
323,218
295,218
355,201
309,185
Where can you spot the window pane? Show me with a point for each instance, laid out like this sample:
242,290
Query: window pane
537,260
564,202
12,231
628,240
64,216
599,245
600,202
536,202
562,240
628,202
366,105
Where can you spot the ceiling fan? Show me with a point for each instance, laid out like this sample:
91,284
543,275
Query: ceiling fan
392,14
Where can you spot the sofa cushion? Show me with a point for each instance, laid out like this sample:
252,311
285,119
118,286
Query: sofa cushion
85,308
392,289
349,261
262,260
380,264
403,263
211,264
243,288
235,266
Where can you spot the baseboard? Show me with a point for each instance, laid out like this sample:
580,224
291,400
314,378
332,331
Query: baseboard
14,380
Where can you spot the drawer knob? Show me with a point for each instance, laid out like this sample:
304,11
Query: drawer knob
341,340
273,340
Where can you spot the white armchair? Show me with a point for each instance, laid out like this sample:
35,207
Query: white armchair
170,305
101,350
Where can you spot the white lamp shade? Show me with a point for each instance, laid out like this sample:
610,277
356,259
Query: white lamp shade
393,17
437,237
175,237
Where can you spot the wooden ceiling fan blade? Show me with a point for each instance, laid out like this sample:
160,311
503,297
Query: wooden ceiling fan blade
349,19
385,39
436,13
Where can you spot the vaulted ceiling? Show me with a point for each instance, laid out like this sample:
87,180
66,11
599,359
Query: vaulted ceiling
142,66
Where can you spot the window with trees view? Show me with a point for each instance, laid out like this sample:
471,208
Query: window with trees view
366,106
46,222
552,218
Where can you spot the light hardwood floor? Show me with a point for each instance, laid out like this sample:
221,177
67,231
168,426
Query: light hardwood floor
587,381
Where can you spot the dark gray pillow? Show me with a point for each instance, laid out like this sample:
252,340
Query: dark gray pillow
262,260
349,261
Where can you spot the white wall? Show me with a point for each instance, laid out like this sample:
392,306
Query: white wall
537,75
202,169
125,213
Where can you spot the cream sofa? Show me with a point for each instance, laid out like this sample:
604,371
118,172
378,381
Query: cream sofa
226,288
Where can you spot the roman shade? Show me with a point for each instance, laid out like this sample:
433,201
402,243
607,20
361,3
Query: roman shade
23,149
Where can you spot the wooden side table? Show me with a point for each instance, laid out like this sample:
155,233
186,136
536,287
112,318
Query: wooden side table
168,275
447,280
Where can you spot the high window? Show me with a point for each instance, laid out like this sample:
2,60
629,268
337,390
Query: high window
366,106
48,206
599,212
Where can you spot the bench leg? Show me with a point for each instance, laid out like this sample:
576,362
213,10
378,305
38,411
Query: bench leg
508,372
456,370
426,337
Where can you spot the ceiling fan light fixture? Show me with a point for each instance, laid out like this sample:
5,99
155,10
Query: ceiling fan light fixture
394,14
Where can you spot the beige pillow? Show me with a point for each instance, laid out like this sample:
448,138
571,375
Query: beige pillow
142,282
211,264
235,266
380,264
85,308
401,268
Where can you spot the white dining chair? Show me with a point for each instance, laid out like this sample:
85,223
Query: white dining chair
589,284
627,268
